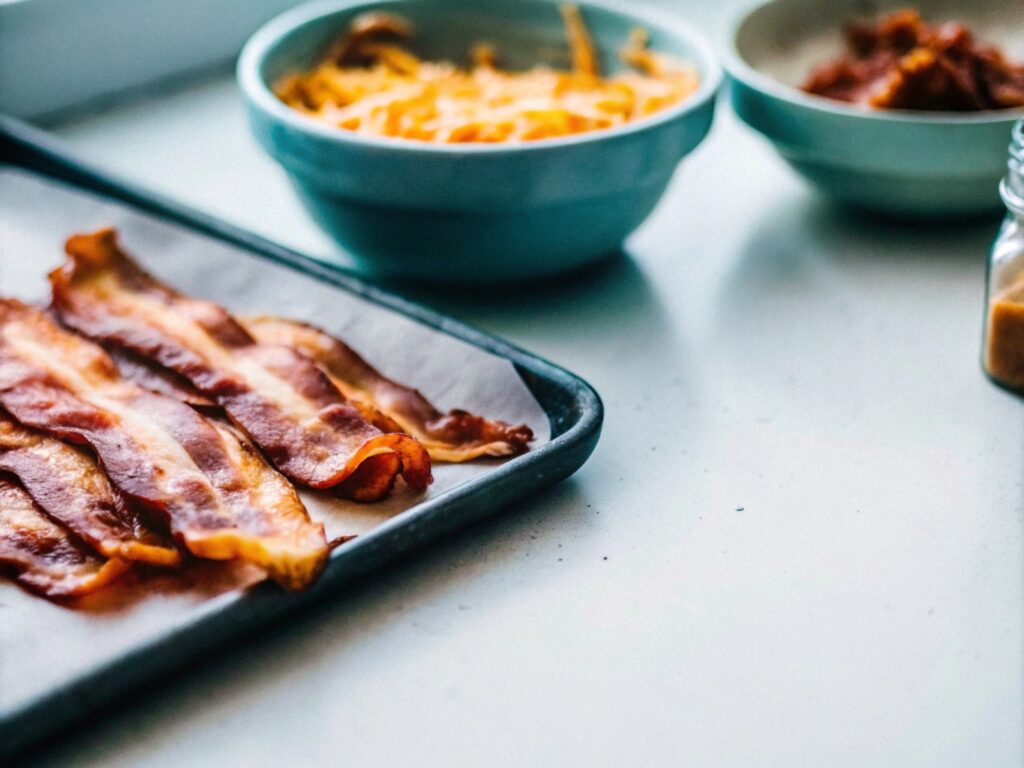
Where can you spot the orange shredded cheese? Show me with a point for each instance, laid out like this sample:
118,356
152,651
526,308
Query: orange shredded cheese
377,87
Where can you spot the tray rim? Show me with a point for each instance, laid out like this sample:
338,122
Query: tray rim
228,615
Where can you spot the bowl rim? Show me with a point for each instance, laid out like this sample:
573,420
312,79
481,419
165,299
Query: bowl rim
740,70
263,41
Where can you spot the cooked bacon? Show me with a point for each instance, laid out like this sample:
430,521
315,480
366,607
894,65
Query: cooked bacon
156,378
215,494
454,436
373,480
68,484
900,61
279,397
44,557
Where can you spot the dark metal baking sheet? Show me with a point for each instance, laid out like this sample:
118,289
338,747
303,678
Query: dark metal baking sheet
572,408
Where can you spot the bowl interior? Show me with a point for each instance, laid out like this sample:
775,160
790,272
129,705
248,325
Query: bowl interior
785,39
525,32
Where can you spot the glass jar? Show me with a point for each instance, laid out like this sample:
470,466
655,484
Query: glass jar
1003,356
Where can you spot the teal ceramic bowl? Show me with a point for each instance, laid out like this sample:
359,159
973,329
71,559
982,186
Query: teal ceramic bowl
907,164
476,212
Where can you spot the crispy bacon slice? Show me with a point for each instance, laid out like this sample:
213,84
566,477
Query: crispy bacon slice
68,484
454,436
44,557
216,495
156,378
279,397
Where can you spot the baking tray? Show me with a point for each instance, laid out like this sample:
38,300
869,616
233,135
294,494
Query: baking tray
571,407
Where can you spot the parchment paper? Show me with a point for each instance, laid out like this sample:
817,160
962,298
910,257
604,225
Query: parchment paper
43,645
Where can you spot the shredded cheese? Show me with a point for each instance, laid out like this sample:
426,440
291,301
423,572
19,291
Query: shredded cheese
393,93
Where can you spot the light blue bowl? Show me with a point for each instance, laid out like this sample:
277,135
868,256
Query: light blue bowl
908,164
476,212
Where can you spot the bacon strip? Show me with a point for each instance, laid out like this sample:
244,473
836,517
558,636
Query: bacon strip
216,495
454,436
70,487
156,378
281,398
42,556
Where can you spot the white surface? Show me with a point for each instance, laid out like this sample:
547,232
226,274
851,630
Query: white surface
59,53
755,351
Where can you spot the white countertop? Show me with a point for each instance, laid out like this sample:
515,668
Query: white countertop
799,541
